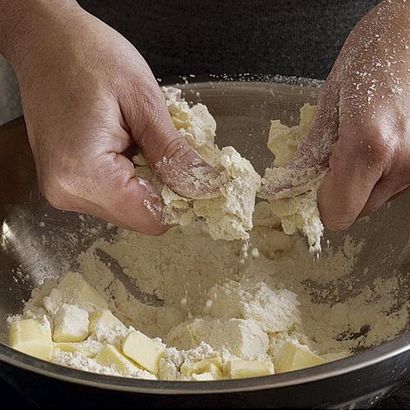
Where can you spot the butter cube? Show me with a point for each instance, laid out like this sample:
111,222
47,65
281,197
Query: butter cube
212,367
143,350
240,369
87,348
53,302
77,291
31,337
110,356
70,324
213,374
104,319
294,356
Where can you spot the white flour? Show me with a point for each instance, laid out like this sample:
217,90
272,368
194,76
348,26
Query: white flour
215,306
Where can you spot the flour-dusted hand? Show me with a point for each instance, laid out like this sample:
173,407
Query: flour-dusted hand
88,96
361,131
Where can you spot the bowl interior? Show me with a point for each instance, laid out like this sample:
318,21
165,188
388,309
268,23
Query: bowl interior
36,240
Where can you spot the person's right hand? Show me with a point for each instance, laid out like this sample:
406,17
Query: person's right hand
88,96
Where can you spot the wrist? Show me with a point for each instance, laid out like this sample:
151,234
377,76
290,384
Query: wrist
24,22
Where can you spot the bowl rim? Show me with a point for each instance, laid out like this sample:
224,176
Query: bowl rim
369,357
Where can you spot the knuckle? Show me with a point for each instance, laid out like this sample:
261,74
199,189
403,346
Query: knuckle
152,113
61,189
52,192
176,149
152,104
369,142
380,147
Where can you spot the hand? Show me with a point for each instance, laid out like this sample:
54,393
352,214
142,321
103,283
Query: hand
88,96
362,128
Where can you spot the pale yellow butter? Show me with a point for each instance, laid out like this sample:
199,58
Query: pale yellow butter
143,350
205,377
240,369
31,337
70,324
110,356
78,292
293,356
85,348
209,368
213,373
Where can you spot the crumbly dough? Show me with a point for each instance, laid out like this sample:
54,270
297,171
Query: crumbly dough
298,212
218,305
301,213
284,141
229,215
240,337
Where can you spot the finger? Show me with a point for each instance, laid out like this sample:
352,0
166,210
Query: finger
118,197
315,150
383,192
308,165
395,196
283,183
355,168
395,180
128,201
168,153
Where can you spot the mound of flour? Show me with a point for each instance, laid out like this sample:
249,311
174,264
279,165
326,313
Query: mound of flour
205,299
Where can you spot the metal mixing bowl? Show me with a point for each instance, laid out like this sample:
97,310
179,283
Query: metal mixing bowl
35,239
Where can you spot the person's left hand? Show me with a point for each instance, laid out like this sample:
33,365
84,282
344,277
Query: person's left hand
362,128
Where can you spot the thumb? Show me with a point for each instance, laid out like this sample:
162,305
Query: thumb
168,153
311,159
315,150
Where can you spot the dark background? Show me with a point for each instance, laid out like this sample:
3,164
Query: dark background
289,37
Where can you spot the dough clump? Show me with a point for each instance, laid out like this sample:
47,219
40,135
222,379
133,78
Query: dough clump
299,211
227,216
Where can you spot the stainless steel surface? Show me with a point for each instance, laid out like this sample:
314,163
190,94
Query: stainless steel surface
36,239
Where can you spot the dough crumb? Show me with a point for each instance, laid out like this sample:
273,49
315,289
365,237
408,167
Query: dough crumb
299,211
